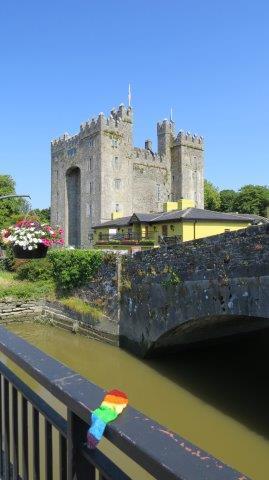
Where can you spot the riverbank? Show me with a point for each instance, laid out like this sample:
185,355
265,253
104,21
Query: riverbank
24,300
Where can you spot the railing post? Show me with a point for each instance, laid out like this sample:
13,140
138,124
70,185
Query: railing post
77,466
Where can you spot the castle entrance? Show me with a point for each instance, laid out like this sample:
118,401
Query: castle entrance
73,197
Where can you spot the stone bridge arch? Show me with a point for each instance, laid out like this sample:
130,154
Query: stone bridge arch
73,206
210,288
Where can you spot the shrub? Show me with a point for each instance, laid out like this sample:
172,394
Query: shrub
73,268
147,242
32,270
9,259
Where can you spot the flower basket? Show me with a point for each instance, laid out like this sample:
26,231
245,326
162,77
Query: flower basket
39,252
31,239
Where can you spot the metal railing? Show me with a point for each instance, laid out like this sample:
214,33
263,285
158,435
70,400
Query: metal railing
164,454
122,236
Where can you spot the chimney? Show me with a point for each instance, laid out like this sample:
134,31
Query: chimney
148,145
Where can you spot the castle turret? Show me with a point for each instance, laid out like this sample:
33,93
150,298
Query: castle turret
187,168
165,136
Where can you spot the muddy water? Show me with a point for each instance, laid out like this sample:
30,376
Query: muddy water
217,397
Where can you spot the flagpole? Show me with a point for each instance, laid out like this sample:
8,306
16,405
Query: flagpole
129,96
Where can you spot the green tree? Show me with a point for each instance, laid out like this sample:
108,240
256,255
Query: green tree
212,196
12,208
252,199
227,200
42,215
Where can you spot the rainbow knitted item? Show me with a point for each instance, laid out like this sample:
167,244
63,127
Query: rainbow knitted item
112,405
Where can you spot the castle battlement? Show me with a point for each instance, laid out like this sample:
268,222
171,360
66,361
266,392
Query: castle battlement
117,119
190,140
164,127
147,156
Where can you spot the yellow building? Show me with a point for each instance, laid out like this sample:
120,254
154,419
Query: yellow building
179,220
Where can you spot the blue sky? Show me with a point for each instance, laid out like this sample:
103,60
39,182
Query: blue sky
62,62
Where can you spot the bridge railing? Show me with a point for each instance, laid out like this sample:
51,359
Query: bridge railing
161,453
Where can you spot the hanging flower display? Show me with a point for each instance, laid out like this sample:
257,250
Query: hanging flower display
31,239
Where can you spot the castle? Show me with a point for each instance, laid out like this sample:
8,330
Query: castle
98,174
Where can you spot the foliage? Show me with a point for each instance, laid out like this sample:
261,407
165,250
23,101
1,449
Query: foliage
227,200
29,234
212,196
252,199
79,306
10,287
33,270
146,242
12,208
9,259
172,279
41,215
73,268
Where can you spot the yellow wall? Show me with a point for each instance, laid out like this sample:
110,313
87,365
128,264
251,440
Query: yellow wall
155,230
185,203
115,215
207,229
184,230
97,231
179,205
169,206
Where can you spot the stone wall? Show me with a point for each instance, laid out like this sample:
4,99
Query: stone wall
200,290
11,309
241,253
103,290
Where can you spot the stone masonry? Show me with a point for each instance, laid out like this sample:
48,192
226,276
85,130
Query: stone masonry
98,171
201,290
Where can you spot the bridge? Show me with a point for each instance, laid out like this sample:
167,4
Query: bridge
198,291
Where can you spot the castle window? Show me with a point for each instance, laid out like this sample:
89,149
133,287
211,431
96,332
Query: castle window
116,162
91,142
71,152
117,208
90,163
114,142
158,193
117,183
90,187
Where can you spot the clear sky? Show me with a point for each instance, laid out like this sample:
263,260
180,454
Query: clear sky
64,61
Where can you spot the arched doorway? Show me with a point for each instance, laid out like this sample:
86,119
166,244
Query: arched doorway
73,196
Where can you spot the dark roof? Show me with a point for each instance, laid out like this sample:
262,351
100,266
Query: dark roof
201,214
143,217
187,214
117,222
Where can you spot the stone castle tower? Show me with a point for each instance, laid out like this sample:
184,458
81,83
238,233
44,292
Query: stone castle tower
98,173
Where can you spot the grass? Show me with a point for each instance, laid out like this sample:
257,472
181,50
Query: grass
79,306
10,287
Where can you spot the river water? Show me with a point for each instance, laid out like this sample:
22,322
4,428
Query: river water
217,397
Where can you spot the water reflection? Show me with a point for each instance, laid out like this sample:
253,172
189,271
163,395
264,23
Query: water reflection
231,376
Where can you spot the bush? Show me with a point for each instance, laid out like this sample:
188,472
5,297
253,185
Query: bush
32,270
9,259
73,268
147,242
